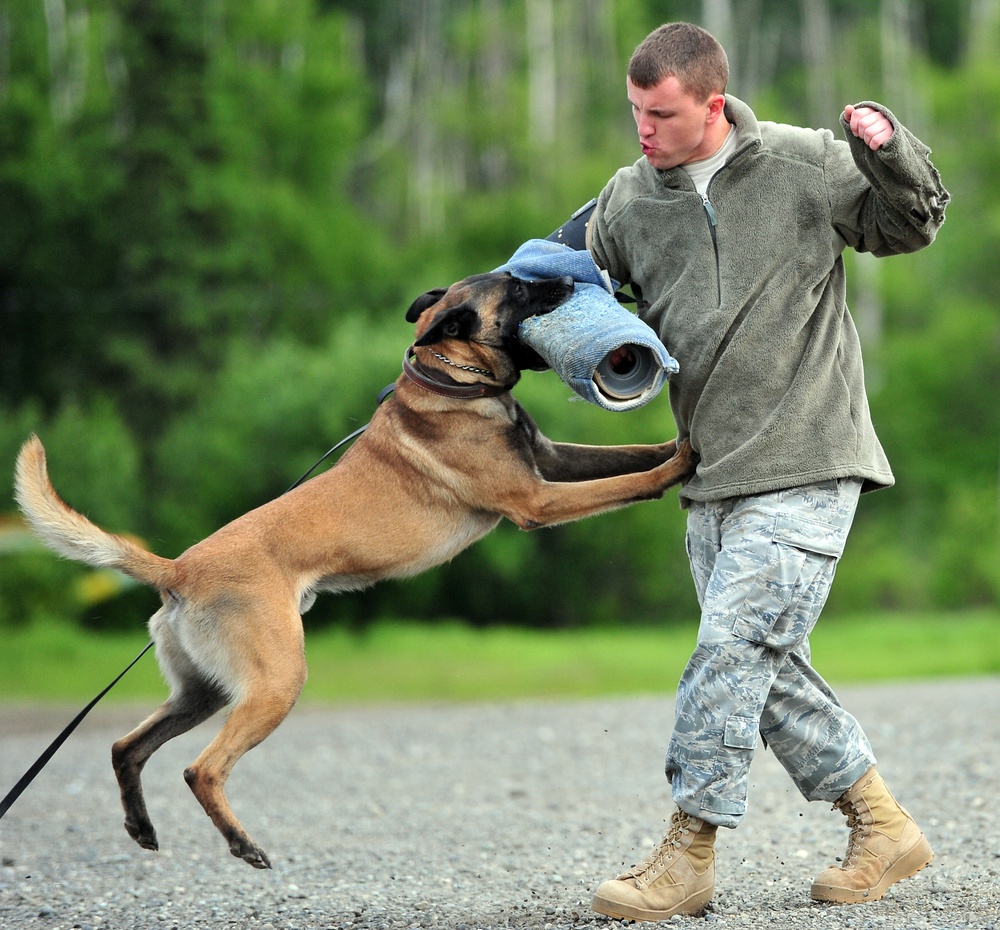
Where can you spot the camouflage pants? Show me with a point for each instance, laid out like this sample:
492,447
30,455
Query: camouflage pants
763,567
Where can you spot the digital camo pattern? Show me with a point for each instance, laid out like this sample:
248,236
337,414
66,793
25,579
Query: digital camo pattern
763,567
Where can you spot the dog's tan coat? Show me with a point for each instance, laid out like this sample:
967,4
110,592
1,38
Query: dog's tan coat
431,475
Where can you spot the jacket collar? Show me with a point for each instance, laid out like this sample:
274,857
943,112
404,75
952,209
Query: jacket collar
747,137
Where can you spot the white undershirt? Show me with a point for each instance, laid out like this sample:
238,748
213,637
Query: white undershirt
703,171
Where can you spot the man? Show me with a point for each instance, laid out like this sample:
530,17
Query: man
730,232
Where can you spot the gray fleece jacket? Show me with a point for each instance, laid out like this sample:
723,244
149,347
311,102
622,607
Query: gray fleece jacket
747,291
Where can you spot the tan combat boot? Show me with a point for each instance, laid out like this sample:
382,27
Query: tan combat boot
677,877
885,845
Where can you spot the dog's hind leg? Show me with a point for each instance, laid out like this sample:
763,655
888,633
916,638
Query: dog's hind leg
277,680
193,699
184,710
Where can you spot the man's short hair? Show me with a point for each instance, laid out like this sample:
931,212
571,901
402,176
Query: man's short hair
686,52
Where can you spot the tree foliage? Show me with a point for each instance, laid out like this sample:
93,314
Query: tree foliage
214,217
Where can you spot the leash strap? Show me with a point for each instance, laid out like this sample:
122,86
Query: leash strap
40,763
382,395
326,455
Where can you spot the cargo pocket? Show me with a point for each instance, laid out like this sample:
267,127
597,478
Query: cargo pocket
727,795
793,583
741,732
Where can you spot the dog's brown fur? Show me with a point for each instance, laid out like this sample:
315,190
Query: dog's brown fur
432,474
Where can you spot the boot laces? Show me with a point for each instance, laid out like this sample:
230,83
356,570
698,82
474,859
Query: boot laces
663,853
859,821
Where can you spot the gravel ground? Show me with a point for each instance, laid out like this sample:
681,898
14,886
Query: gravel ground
480,816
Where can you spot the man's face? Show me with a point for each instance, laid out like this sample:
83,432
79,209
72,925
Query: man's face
672,124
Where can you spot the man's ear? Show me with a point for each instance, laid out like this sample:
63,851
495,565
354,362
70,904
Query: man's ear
423,302
454,323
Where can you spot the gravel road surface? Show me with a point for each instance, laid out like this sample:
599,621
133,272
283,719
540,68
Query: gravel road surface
480,816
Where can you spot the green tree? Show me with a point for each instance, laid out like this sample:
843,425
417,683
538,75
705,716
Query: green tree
214,217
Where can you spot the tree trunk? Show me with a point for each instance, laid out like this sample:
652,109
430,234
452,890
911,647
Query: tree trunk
541,50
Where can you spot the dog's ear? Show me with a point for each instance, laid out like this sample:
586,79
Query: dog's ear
454,323
423,302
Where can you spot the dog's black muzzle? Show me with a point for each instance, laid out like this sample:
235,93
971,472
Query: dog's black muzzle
539,297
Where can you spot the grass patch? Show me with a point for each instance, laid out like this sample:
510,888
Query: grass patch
395,661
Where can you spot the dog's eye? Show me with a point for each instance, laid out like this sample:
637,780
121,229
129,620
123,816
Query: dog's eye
451,330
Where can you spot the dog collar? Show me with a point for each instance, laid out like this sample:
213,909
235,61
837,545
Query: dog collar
459,391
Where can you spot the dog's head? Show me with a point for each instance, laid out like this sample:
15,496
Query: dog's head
479,318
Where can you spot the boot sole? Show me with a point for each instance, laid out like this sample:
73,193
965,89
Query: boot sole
690,906
915,859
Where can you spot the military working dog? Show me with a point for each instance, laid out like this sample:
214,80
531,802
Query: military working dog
444,458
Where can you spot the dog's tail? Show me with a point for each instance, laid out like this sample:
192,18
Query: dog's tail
71,534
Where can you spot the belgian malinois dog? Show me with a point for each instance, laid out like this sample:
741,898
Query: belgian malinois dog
443,460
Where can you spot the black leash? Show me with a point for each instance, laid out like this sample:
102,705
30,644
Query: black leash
43,759
326,455
28,777
382,395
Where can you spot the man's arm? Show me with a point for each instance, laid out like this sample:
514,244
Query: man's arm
901,205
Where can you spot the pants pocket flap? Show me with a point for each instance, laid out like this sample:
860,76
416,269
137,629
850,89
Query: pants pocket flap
811,536
741,732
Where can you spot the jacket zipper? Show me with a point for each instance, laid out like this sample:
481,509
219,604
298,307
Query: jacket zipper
712,224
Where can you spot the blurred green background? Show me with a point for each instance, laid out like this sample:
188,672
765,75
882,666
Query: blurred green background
214,216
